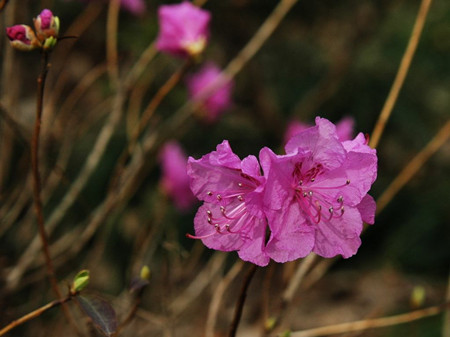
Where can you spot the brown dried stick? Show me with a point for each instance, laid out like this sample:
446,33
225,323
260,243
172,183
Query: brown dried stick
413,166
371,323
401,73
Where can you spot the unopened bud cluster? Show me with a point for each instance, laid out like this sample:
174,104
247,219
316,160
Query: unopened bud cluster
45,36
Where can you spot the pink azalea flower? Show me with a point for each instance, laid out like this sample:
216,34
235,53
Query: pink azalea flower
219,100
232,216
316,195
175,180
344,129
184,29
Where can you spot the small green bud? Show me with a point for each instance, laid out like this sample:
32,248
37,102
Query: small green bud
80,281
49,43
270,323
145,273
417,297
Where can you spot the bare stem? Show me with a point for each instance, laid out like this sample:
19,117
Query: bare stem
147,115
241,300
36,175
371,323
413,166
34,314
37,186
401,73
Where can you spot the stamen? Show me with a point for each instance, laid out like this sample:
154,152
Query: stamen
190,236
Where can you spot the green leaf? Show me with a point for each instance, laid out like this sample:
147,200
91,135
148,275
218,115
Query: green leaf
102,314
80,281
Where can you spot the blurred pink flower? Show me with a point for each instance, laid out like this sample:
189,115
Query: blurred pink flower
232,216
22,37
175,180
344,129
316,194
136,7
183,29
220,98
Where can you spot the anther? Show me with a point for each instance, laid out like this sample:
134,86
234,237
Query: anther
312,180
209,221
347,182
340,199
219,197
310,193
240,184
209,193
331,210
300,182
217,227
209,212
304,194
240,198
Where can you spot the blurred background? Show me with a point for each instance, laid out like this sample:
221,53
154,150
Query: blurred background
327,58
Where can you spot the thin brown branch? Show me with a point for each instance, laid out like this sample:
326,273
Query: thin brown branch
37,186
147,115
37,177
112,25
371,323
217,297
34,314
241,300
401,73
413,166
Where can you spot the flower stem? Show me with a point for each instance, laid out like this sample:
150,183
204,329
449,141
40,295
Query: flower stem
36,175
34,314
240,304
37,186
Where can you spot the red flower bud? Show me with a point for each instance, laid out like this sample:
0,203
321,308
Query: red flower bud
22,37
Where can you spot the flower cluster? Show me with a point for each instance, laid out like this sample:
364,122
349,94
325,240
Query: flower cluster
184,32
312,199
22,37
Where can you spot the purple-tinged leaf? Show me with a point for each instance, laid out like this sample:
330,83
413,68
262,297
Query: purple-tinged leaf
102,314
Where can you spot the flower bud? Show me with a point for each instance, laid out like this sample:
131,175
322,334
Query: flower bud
22,37
46,25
